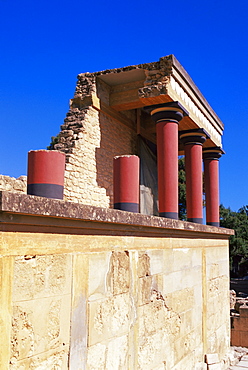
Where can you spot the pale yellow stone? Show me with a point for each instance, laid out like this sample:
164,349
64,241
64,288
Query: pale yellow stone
96,357
79,322
44,361
6,281
108,318
99,266
157,261
41,276
117,354
39,325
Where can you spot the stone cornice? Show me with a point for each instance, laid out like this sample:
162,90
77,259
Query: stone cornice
27,213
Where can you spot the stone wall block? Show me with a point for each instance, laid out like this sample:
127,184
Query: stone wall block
145,290
117,353
41,276
119,274
99,271
39,326
156,261
44,361
109,318
143,264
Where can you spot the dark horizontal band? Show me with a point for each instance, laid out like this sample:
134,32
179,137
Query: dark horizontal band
129,207
46,190
173,215
195,220
217,224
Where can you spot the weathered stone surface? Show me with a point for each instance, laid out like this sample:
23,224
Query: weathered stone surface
18,185
108,318
41,276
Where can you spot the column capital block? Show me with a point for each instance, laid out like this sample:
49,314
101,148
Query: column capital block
167,111
213,152
195,136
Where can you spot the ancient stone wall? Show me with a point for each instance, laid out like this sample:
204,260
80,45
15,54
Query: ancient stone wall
18,185
90,140
115,302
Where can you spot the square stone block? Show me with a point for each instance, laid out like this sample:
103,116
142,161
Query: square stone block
41,276
39,326
109,318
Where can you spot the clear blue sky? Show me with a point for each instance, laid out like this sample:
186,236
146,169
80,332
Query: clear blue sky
45,44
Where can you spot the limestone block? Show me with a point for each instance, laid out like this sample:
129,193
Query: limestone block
156,261
119,274
154,351
117,354
181,300
143,264
109,318
212,358
191,277
145,284
157,316
44,361
201,366
40,325
215,367
99,266
41,276
96,357
157,283
185,345
182,258
79,321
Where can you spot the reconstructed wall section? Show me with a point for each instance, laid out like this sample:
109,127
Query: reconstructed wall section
91,138
91,288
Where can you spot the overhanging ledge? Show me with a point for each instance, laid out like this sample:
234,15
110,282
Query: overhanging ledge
27,213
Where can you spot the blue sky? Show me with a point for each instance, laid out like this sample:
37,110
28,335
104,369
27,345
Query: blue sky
45,44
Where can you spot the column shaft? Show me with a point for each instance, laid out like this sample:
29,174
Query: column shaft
126,183
211,171
194,191
167,116
46,173
167,152
211,176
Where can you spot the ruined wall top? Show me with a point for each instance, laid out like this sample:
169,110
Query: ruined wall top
137,86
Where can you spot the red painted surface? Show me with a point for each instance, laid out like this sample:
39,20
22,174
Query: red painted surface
126,179
46,167
194,186
167,153
211,178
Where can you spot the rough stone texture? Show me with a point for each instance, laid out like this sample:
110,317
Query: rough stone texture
90,140
12,184
41,312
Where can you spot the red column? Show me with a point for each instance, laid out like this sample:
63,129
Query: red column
193,140
46,173
126,183
167,117
211,176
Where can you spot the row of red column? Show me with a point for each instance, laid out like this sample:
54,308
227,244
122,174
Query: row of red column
167,117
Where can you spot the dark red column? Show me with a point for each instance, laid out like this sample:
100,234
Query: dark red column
193,141
126,183
211,177
167,117
46,173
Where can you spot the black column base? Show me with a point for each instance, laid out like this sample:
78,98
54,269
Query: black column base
195,220
173,215
129,207
217,224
